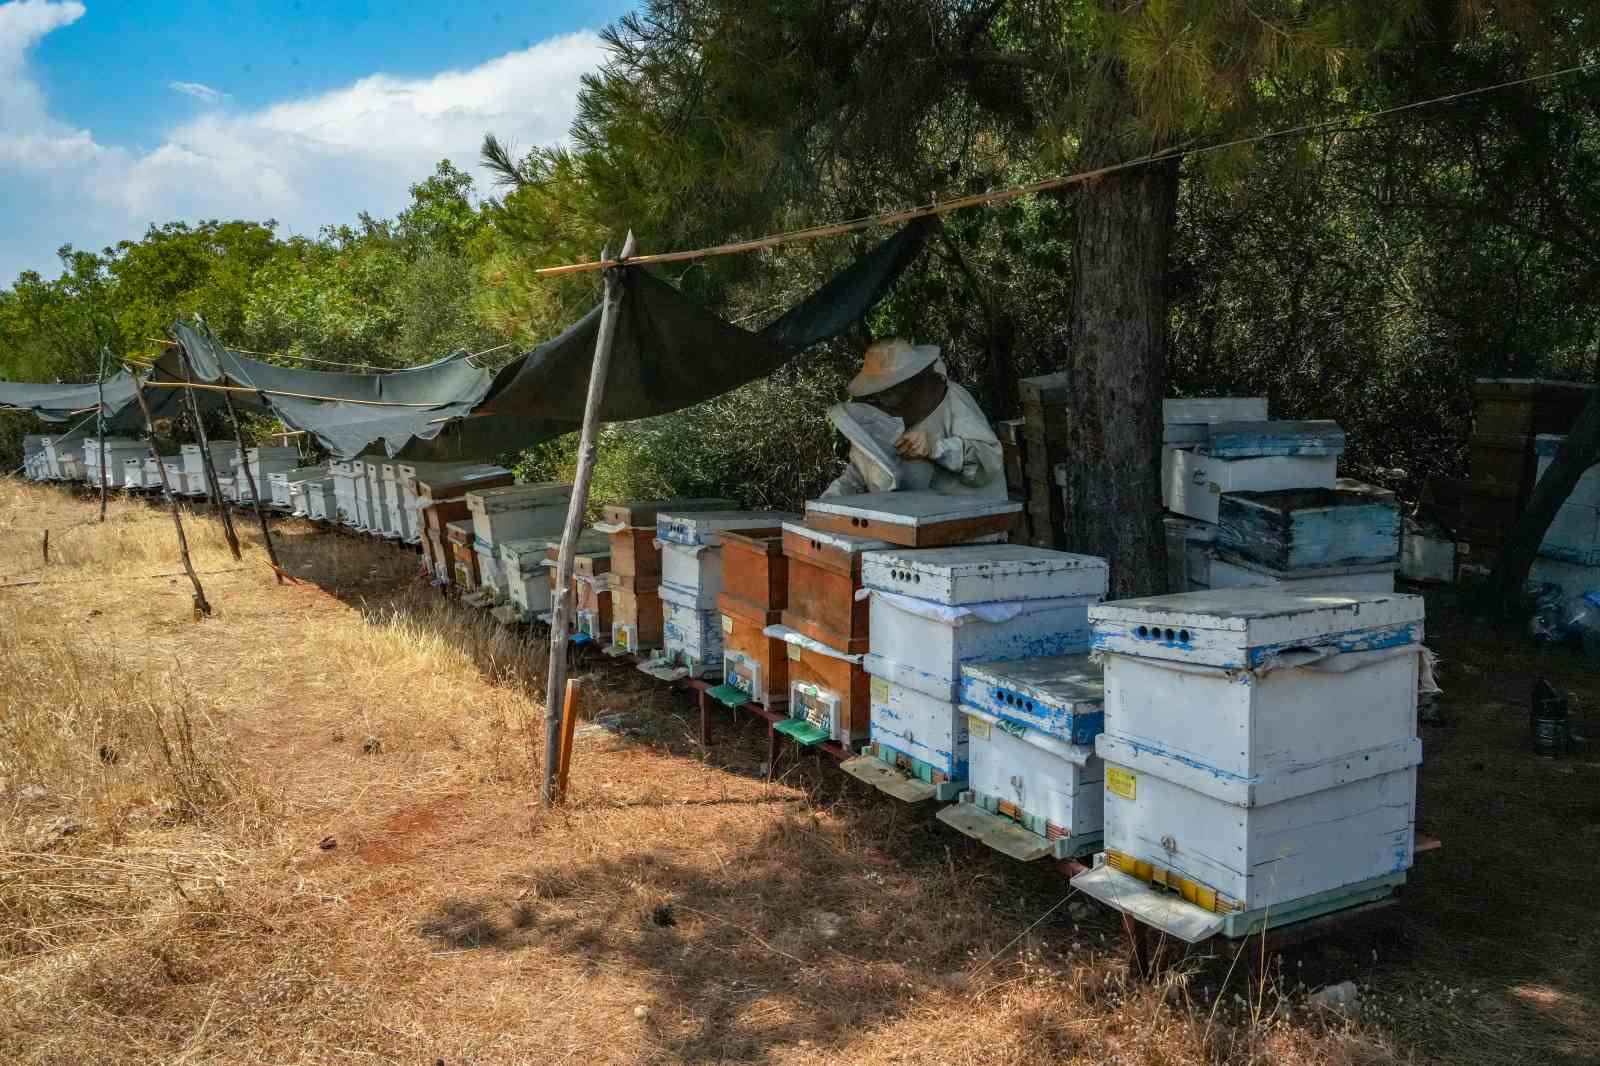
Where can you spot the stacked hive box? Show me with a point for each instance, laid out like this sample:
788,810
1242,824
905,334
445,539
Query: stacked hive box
1045,412
105,459
755,590
1569,555
173,465
511,512
1185,425
462,556
636,622
591,564
691,581
33,461
194,465
933,611
1344,539
288,487
63,457
1034,779
1260,755
410,477
321,505
591,592
345,474
442,499
254,466
132,473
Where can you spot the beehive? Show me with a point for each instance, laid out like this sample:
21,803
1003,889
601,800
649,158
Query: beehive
133,473
636,612
289,486
1229,572
934,610
425,484
591,588
321,506
828,690
754,590
1195,481
632,529
1189,546
913,519
33,458
105,459
463,556
527,580
223,453
344,477
1260,752
1353,524
824,578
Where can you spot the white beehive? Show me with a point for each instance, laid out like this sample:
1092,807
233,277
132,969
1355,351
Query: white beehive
1190,421
1227,573
33,460
519,512
1195,481
105,459
527,580
222,456
933,609
288,486
691,549
133,473
929,730
691,634
1033,785
1260,749
229,490
343,474
263,461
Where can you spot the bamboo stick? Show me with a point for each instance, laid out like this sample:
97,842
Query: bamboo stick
283,392
200,605
561,607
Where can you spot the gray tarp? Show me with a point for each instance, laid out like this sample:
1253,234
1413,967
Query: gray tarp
370,411
59,404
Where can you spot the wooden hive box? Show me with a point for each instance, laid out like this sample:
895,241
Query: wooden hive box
463,555
636,615
824,572
754,590
1292,529
913,519
827,690
591,587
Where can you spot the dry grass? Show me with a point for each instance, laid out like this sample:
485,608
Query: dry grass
251,880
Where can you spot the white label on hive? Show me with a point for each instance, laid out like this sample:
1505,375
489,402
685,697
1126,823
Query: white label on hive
727,623
794,651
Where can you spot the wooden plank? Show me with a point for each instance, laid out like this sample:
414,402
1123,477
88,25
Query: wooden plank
755,572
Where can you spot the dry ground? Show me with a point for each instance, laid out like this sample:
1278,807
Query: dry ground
301,831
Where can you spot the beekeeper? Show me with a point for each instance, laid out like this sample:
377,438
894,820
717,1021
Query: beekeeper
947,444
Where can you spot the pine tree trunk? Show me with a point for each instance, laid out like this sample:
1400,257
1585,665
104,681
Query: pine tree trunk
1118,356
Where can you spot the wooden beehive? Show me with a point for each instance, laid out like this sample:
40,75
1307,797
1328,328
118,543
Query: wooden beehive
591,593
636,617
913,519
824,576
463,555
755,573
818,675
751,660
632,528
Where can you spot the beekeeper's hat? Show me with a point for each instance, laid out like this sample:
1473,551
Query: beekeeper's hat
888,363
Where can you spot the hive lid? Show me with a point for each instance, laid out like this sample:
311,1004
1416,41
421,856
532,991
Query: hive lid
911,508
841,542
984,573
302,473
702,527
1212,410
1255,440
1059,680
1244,628
519,497
642,514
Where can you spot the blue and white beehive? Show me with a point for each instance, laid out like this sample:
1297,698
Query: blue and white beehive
933,610
1260,755
1250,457
1034,781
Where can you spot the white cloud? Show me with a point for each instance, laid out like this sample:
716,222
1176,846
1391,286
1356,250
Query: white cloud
198,90
306,162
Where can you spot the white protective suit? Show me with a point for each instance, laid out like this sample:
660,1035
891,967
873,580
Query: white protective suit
966,459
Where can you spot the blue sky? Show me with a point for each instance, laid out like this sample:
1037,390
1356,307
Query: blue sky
117,114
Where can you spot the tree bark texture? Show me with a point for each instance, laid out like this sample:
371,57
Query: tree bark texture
1118,355
1578,453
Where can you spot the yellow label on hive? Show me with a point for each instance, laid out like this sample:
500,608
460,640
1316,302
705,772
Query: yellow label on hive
880,689
1122,783
977,728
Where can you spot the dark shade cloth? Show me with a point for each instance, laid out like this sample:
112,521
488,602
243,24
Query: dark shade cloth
400,407
68,403
669,353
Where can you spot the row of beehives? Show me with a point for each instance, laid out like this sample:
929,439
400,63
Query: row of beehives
1255,503
1249,753
124,463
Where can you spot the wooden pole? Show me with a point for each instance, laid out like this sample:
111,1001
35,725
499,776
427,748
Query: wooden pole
569,724
255,493
200,605
100,430
561,607
218,504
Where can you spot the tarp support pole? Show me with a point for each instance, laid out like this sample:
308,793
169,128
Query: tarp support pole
100,429
561,606
219,504
255,494
200,604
